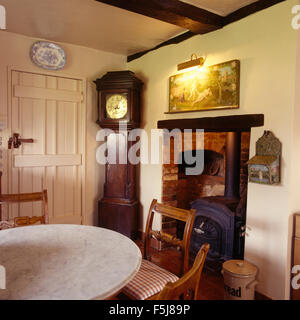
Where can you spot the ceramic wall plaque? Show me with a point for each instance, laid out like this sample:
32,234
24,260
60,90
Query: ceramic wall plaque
48,55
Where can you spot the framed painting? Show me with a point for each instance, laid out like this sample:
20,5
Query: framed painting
208,88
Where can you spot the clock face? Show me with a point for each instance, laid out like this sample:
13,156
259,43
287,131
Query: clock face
116,106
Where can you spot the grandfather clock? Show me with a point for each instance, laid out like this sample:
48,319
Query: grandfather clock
119,101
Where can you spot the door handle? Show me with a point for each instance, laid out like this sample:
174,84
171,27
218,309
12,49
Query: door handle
15,141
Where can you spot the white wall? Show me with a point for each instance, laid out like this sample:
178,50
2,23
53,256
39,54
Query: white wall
265,44
81,62
294,186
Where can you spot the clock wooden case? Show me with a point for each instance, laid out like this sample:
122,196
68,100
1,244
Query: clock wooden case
121,83
119,97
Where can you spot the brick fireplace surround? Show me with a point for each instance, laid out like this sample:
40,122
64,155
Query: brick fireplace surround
179,189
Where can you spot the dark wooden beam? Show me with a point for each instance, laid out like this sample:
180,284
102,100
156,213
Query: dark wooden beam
175,40
172,11
249,9
235,16
213,124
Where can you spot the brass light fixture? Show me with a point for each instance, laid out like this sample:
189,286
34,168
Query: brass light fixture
194,62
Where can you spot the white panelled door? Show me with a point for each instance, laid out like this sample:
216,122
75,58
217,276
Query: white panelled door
49,110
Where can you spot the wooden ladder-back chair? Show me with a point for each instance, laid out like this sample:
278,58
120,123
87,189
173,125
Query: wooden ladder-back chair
26,197
187,287
151,279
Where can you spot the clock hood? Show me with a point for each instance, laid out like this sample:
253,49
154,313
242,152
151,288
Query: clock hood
118,79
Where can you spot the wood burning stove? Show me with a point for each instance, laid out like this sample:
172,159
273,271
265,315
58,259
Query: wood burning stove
217,225
217,221
214,223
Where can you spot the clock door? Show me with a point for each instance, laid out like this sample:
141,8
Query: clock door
116,174
118,210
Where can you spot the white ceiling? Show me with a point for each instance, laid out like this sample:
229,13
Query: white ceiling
220,7
96,25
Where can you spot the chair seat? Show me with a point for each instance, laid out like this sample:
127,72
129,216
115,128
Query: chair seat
6,224
149,280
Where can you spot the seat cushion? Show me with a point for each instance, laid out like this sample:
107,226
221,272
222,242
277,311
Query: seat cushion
6,225
149,280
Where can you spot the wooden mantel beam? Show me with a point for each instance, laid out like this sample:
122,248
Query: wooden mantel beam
184,15
215,124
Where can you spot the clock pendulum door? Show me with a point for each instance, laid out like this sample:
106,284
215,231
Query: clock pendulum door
119,101
118,210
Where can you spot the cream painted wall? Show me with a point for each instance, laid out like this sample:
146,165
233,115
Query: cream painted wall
294,187
265,44
81,62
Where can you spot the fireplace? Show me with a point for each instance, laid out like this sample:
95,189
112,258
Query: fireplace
219,193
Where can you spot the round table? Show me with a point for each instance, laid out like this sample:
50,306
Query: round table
66,262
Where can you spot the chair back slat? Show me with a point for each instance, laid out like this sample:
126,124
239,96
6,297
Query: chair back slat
24,221
187,216
166,237
171,212
22,197
28,197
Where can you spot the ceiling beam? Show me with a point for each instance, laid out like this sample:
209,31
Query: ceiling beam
175,40
232,17
181,14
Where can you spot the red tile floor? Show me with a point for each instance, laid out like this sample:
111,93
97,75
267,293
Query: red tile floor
211,284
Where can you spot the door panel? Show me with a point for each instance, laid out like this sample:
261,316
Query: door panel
47,109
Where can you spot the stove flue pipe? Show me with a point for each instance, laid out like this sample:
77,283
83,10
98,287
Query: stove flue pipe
232,165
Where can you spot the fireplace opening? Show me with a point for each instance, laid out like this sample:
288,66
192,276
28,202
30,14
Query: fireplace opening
213,163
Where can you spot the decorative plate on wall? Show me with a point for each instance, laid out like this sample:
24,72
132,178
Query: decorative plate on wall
48,55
